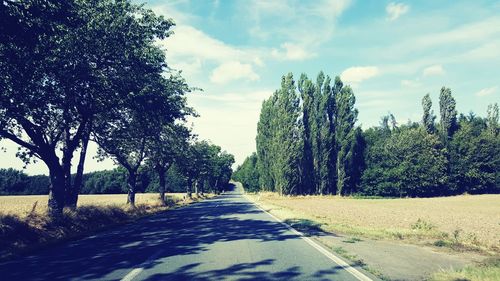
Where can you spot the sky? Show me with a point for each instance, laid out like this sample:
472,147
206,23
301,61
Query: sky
390,53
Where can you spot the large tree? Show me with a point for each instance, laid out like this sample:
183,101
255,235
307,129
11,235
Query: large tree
428,117
448,122
264,138
346,116
287,142
164,149
64,67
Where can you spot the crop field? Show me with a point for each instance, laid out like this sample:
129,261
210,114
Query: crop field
23,204
471,220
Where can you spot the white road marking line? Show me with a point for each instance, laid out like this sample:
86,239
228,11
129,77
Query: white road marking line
136,271
360,276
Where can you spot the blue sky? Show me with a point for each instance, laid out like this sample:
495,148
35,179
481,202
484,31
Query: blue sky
391,53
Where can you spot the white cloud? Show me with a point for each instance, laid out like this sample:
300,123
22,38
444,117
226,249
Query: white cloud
232,124
410,83
358,74
233,70
294,20
188,41
395,10
291,51
433,70
487,91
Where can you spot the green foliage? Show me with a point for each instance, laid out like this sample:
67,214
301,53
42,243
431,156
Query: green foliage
247,174
279,140
404,162
474,158
428,117
13,182
345,136
448,122
333,156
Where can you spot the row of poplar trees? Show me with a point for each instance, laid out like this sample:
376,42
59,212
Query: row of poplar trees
306,137
308,143
77,71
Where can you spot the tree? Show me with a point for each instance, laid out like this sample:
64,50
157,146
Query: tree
265,135
448,122
318,106
287,142
247,173
492,119
428,116
67,64
346,116
165,146
474,157
310,160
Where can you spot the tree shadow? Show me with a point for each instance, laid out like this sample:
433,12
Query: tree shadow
185,231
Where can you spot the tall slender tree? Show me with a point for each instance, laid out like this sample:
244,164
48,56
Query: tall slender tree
345,120
287,143
492,119
448,122
309,163
428,116
265,135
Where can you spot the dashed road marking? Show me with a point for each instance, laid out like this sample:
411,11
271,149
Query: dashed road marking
136,271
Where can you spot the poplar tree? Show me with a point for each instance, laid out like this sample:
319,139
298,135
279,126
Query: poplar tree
265,134
448,122
346,116
428,117
310,162
492,119
287,143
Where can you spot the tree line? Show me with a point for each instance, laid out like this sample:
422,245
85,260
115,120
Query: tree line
16,182
79,71
308,142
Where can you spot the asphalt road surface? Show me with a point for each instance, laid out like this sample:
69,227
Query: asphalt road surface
225,238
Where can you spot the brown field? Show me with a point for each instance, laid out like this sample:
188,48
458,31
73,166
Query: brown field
470,219
23,204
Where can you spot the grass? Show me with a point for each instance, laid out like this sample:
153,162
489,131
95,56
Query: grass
487,271
22,205
354,260
468,222
25,226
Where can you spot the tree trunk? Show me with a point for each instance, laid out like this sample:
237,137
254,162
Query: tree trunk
162,188
196,187
188,187
72,194
131,183
56,191
66,167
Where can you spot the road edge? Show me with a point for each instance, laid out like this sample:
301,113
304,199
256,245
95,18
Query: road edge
318,246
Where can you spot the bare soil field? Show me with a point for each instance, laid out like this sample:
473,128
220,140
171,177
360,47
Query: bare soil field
471,220
22,205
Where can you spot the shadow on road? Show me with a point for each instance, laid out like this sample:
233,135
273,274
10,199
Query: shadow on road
183,231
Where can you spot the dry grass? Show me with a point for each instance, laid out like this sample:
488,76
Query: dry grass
22,205
487,271
469,221
24,227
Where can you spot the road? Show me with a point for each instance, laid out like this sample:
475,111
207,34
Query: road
224,238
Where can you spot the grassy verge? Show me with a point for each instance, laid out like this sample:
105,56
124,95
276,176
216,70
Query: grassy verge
24,232
474,229
487,271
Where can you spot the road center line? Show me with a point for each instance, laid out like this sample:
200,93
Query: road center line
136,271
356,273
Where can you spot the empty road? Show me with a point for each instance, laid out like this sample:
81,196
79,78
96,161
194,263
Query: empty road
225,238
